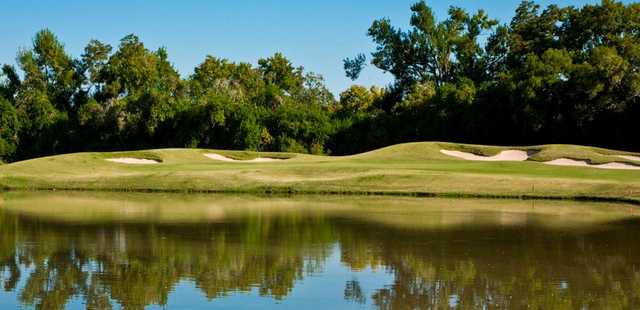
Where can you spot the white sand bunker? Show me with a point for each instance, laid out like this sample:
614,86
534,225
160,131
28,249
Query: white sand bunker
509,155
584,163
133,161
630,157
514,155
227,159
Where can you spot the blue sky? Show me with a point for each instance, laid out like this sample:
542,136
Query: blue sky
315,34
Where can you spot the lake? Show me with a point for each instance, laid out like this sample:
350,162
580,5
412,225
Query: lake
151,251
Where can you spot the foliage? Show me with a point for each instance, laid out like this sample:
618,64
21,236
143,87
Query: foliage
132,97
550,75
558,75
9,126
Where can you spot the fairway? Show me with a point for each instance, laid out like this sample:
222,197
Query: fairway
405,169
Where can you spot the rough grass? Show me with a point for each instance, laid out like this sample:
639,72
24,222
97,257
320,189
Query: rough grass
405,169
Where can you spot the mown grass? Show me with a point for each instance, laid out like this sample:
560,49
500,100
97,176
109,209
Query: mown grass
405,169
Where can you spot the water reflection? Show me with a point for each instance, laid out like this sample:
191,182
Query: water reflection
131,251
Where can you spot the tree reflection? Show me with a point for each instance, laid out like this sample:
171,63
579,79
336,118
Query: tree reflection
135,265
504,268
353,292
138,265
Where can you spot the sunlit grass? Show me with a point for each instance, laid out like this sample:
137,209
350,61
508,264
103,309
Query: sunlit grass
414,168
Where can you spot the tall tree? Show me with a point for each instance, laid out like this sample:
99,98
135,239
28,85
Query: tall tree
279,70
9,129
430,50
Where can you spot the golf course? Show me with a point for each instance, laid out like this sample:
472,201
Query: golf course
412,169
320,155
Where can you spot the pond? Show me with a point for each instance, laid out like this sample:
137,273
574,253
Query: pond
153,251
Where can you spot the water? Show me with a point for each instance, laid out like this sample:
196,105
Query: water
154,251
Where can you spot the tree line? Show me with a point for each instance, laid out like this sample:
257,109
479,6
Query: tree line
550,75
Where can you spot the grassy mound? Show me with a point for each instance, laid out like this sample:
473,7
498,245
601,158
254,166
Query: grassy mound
411,169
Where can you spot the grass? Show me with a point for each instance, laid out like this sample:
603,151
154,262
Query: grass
405,169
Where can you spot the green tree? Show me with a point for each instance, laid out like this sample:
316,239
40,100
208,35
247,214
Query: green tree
94,60
298,128
45,96
315,92
143,85
278,71
9,82
429,51
9,130
240,80
355,99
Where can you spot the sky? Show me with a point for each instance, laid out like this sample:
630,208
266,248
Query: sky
315,34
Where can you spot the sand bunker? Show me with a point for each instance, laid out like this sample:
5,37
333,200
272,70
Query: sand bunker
510,155
584,163
514,155
227,159
630,157
133,161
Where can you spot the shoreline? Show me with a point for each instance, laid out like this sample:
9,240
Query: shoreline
280,192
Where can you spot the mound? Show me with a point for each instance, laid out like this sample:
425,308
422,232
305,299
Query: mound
629,157
584,163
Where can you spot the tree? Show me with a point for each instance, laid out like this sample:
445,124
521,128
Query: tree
355,99
532,32
240,80
279,71
297,128
56,70
429,51
147,85
94,60
9,130
315,92
45,96
9,83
